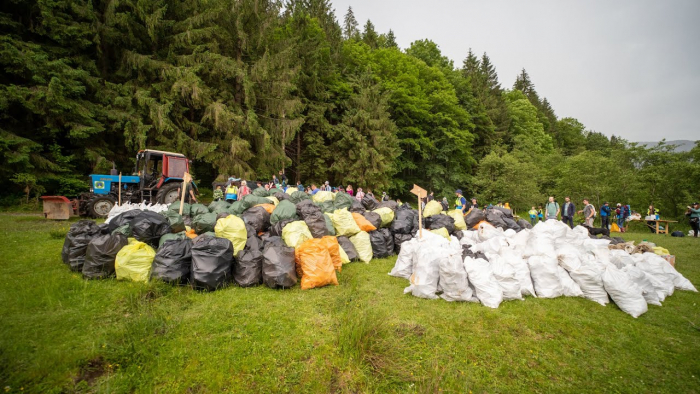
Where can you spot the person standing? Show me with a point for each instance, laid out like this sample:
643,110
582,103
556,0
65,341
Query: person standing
533,215
349,190
567,214
314,189
652,212
694,218
360,194
244,190
385,197
474,204
552,209
605,214
326,187
446,205
231,192
189,193
369,193
431,196
588,213
460,202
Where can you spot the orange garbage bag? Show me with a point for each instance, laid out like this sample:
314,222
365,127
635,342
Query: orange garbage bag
334,250
191,233
363,223
477,225
268,207
315,264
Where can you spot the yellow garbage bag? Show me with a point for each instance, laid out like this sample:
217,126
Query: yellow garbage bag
614,228
386,214
661,251
432,208
343,256
456,214
442,231
315,264
134,261
322,196
344,223
232,228
362,223
363,246
295,233
273,200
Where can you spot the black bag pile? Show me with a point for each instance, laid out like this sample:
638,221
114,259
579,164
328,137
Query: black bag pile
173,261
100,255
212,258
313,217
279,267
149,226
76,243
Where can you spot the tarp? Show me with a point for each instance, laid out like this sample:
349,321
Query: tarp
133,262
316,264
232,228
212,258
101,254
173,261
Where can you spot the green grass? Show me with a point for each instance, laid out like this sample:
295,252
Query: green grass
60,333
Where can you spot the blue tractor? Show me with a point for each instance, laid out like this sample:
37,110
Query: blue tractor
157,178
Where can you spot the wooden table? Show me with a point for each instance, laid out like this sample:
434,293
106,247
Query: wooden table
656,224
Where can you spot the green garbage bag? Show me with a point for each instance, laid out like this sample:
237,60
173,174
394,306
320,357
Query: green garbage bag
261,192
432,208
134,261
275,190
232,228
326,206
298,196
124,229
171,237
236,208
177,222
218,206
251,200
363,246
198,209
329,224
295,233
343,200
386,214
344,223
175,207
285,210
203,223
457,215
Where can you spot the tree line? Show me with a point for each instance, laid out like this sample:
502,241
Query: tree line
246,87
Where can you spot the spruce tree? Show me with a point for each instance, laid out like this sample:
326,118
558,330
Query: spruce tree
369,35
350,25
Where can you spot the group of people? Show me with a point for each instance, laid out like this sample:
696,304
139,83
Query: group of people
552,210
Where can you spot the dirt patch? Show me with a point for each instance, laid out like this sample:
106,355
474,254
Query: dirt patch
92,370
406,329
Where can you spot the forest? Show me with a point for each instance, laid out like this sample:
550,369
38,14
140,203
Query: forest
247,87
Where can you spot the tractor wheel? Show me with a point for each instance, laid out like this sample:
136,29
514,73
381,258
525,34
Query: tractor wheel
99,206
168,193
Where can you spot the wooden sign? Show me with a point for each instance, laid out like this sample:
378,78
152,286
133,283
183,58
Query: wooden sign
419,191
186,179
421,194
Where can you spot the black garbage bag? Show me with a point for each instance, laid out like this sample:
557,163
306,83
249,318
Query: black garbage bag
403,221
405,206
298,196
370,203
187,220
496,218
149,226
177,222
313,217
458,234
258,218
221,216
279,268
104,228
506,212
399,239
349,248
100,255
280,196
511,224
75,245
173,261
124,230
204,223
212,258
474,217
379,247
276,229
198,209
373,218
247,266
357,207
388,239
122,219
253,241
524,224
326,206
391,204
343,200
439,221
677,234
307,207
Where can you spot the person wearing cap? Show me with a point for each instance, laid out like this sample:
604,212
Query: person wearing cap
568,212
694,218
460,202
605,214
385,197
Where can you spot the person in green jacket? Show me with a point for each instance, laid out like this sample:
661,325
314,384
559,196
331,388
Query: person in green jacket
694,212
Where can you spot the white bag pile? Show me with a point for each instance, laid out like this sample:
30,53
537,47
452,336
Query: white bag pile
127,206
550,260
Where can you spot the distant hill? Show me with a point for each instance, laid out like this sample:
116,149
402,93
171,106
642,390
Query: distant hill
682,145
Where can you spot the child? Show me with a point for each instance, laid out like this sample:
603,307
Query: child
231,192
218,194
533,216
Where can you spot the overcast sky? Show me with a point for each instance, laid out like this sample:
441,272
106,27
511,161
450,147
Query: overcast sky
629,68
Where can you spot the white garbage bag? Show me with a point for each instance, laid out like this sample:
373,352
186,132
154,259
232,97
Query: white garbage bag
426,266
642,279
522,271
569,286
487,231
658,267
481,276
545,276
620,258
505,276
540,244
404,263
590,281
453,278
626,294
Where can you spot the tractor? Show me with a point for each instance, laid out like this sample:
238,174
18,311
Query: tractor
157,177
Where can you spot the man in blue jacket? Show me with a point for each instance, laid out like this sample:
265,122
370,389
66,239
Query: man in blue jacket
567,214
605,214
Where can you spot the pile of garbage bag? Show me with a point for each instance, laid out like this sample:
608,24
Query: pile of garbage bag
491,265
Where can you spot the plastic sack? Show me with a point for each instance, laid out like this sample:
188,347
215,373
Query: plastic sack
524,224
348,248
545,276
660,268
569,287
380,249
269,208
177,222
124,230
218,206
271,200
329,225
627,295
276,229
248,201
248,265
458,217
122,219
258,218
344,223
474,217
171,237
296,233
133,262
334,250
343,200
198,209
386,215
175,207
440,221
281,196
373,218
362,223
590,282
316,264
363,246
403,221
442,232
391,204
426,270
453,278
285,210
403,268
278,269
487,289
100,255
322,196
644,281
260,192
313,217
298,196
212,258
370,203
505,275
233,229
149,226
173,261
326,206
400,239
204,223
357,207
432,208
76,242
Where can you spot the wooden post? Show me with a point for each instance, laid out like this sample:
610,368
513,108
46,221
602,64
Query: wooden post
120,190
421,193
185,180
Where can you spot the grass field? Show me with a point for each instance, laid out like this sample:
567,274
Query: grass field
60,333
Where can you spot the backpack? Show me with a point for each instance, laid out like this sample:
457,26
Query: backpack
677,234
